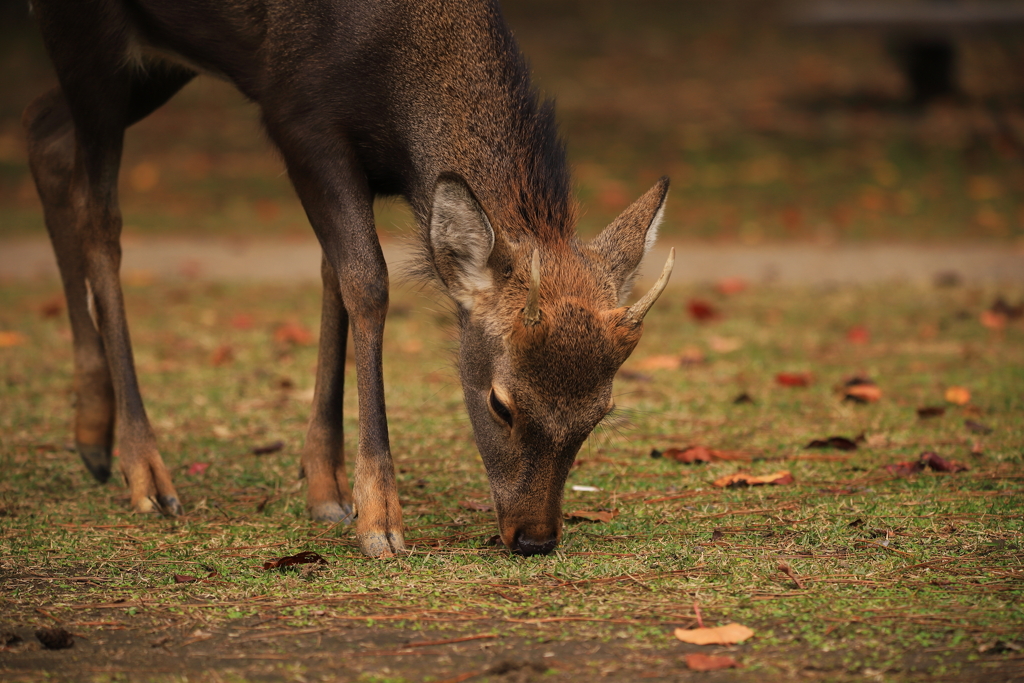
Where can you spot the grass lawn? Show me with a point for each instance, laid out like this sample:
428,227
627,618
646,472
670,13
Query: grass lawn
891,577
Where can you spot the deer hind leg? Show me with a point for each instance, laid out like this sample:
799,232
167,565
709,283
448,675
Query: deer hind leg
75,155
329,497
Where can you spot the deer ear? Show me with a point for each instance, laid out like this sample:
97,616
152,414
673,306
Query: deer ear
623,244
461,240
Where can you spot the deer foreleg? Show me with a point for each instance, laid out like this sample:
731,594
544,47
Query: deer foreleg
338,201
328,496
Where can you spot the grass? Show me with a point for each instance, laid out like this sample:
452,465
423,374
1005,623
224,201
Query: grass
902,578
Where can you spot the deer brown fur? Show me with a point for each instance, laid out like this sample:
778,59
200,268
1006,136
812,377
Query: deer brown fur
429,100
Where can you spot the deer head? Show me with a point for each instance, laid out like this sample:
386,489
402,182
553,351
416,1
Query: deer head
543,330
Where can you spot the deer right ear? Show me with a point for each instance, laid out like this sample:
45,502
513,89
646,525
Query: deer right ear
624,243
461,240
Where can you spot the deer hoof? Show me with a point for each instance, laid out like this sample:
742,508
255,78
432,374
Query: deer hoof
96,459
169,506
332,512
382,545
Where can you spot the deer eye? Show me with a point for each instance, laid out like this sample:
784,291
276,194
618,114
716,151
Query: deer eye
499,409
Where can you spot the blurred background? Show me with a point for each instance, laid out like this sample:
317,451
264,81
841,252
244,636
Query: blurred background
772,132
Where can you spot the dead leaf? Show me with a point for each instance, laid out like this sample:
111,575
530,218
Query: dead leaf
746,479
731,285
55,638
861,390
242,321
198,468
1002,307
858,334
838,442
939,464
717,535
977,427
662,362
702,311
696,454
9,339
293,333
958,395
794,379
223,355
698,661
931,411
52,307
743,398
730,634
604,516
993,320
305,557
904,469
184,578
476,506
272,447
788,571
724,344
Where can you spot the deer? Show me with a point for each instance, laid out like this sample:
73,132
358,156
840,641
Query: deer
430,101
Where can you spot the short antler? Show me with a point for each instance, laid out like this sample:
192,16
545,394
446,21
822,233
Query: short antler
635,314
531,313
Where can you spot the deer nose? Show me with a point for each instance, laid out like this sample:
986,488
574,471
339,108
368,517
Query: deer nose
526,545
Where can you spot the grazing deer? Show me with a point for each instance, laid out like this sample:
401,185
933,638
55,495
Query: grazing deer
430,100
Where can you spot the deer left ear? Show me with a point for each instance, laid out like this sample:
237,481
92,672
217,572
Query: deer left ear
624,243
461,240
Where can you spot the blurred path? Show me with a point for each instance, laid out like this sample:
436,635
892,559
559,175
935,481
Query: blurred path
299,261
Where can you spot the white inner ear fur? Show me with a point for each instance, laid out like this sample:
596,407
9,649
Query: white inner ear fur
461,239
649,239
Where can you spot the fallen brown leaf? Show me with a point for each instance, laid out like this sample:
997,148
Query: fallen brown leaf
198,468
746,479
993,320
702,311
697,454
698,661
939,464
272,447
730,634
931,411
958,395
184,578
861,390
604,516
222,355
52,307
476,506
293,333
977,427
742,399
903,469
838,442
661,362
9,339
306,557
794,379
858,334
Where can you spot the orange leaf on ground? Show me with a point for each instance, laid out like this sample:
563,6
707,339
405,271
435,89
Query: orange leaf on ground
794,379
958,395
594,515
858,334
695,454
747,479
993,320
860,390
293,333
731,285
730,634
198,468
222,355
662,362
242,321
8,339
698,661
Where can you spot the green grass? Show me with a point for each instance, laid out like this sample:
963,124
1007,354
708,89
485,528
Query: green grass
902,577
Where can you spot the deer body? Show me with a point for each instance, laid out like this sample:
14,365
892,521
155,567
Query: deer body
427,100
